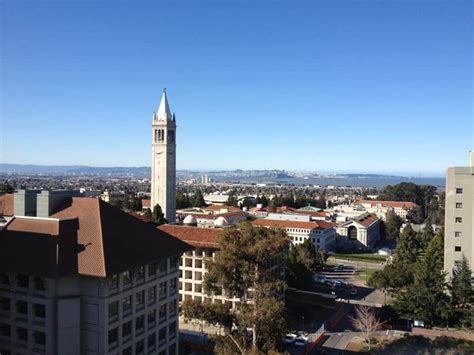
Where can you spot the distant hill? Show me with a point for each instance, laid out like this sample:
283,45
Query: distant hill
73,169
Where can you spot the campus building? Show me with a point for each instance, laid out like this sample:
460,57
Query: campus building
360,232
301,227
79,276
459,216
193,263
381,208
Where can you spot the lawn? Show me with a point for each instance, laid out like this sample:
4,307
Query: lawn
363,274
368,257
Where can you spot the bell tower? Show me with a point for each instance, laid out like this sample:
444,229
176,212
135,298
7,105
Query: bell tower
163,163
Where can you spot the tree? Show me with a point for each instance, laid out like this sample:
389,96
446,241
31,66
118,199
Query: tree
247,202
182,200
232,199
303,262
393,224
462,295
6,188
198,199
147,213
158,216
366,322
241,268
426,298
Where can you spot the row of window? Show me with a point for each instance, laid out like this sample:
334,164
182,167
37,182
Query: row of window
22,281
298,230
125,333
188,262
39,310
22,334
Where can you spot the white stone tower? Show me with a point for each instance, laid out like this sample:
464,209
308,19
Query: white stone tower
163,164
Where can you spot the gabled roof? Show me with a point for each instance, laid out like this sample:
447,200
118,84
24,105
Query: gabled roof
366,220
197,237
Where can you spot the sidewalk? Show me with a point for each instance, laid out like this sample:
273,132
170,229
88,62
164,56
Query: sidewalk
458,334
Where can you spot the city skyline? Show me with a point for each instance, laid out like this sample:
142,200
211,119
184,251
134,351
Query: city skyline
303,91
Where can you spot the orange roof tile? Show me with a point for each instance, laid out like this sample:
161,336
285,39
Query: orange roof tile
291,224
195,236
6,204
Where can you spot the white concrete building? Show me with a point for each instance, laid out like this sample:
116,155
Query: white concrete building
362,231
380,208
87,279
163,165
459,216
300,228
193,262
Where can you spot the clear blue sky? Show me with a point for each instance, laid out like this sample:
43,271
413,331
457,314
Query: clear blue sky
342,86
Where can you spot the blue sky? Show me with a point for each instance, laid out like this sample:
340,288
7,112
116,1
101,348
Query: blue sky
340,86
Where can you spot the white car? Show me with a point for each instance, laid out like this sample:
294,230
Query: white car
301,340
290,338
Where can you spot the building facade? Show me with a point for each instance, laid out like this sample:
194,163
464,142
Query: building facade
360,232
300,228
459,216
163,165
380,208
87,279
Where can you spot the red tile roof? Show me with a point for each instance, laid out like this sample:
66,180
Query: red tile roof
116,241
392,204
6,204
195,236
292,224
367,220
223,207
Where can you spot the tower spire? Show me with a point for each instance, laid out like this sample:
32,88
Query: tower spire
164,112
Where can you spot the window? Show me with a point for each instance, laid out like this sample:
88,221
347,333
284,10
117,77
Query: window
139,346
39,310
458,220
40,338
22,280
4,330
127,351
162,313
458,205
457,234
140,273
22,307
140,299
22,334
113,336
113,281
113,309
151,318
5,304
174,262
127,277
152,294
39,284
173,286
162,336
4,279
127,329
162,290
151,342
172,330
139,323
198,264
459,190
127,304
152,269
172,308
163,269
457,248
172,349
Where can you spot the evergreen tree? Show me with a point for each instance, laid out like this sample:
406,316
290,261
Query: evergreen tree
393,224
426,298
198,200
264,201
158,216
6,188
462,295
147,213
232,199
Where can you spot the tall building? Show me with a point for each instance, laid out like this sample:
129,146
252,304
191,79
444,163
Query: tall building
163,166
459,215
79,276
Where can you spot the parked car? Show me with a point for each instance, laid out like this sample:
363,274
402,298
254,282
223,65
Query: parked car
290,338
301,340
